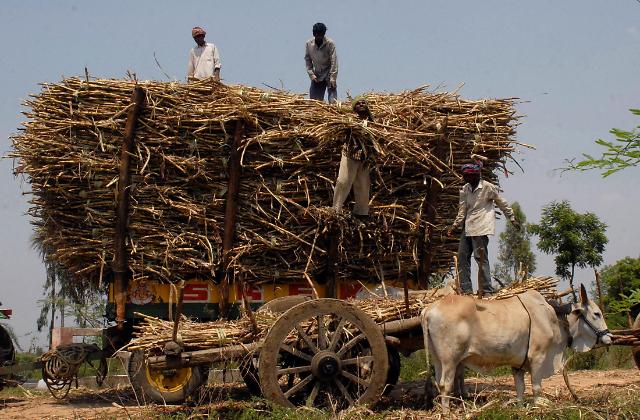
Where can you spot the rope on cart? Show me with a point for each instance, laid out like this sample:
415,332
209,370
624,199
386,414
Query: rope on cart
61,367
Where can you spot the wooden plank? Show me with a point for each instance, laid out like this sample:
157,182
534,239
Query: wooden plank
401,325
203,357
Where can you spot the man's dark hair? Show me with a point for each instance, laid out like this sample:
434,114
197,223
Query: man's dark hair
319,29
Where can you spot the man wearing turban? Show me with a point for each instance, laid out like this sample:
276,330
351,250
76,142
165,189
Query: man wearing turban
357,155
476,212
204,59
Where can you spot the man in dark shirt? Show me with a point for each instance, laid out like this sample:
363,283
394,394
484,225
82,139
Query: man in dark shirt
322,64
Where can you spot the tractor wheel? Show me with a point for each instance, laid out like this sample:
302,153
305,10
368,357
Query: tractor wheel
163,386
7,352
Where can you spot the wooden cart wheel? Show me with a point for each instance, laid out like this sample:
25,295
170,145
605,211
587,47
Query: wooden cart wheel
249,364
323,353
636,350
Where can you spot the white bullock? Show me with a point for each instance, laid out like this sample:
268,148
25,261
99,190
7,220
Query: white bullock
524,332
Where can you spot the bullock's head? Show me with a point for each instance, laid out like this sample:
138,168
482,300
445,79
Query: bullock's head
586,324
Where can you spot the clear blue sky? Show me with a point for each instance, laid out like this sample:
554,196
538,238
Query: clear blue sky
574,62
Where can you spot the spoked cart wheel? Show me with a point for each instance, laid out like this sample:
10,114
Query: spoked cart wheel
323,353
249,363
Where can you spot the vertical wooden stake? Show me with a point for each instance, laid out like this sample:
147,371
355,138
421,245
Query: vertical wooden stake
406,291
120,262
332,260
599,288
178,315
230,215
247,306
430,202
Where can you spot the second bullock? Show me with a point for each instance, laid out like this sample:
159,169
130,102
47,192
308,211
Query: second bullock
524,331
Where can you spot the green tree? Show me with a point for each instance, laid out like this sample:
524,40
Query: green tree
66,295
577,240
619,154
620,282
514,250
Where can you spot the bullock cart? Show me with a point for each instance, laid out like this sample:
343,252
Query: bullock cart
325,353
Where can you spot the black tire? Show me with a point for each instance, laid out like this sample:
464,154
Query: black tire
393,374
7,353
171,386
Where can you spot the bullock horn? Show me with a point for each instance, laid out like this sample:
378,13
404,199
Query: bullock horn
583,294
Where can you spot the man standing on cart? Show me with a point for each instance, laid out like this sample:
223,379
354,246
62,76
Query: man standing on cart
358,155
322,65
204,59
476,211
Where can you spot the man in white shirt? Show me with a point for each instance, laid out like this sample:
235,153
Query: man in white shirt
322,65
476,212
204,60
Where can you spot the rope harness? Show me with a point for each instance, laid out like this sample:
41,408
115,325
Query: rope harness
599,333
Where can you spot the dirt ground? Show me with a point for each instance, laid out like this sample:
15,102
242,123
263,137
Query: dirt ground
122,403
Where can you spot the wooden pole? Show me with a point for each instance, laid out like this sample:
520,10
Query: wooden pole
230,215
599,288
332,261
247,305
430,202
120,262
406,291
176,320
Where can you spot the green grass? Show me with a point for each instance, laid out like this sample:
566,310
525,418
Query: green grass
17,392
413,367
614,357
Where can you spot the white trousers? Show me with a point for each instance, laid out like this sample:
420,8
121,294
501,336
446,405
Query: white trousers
352,173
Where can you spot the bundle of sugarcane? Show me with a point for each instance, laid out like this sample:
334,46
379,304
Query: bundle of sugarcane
546,285
152,333
290,151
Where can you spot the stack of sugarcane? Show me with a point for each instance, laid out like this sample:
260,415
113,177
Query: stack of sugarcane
69,152
546,285
153,333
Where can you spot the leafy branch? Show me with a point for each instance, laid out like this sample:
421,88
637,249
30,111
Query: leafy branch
626,302
619,154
